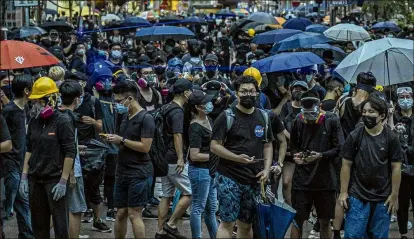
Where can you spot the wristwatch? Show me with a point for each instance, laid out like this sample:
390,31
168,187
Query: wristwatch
123,141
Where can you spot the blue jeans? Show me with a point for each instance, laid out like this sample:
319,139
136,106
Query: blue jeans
18,202
204,200
366,220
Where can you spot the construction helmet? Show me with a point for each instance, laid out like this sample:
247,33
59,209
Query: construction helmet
255,73
42,87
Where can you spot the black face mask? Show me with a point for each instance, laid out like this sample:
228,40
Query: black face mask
369,121
159,70
247,102
296,95
210,74
46,43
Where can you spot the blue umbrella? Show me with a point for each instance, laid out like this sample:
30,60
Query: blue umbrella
193,21
225,13
274,36
301,40
383,25
297,23
263,17
338,53
136,22
288,61
317,28
162,33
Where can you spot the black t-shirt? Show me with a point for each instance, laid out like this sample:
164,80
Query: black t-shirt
4,136
174,123
200,139
131,163
246,136
319,90
350,118
77,64
288,110
372,157
328,105
87,132
16,122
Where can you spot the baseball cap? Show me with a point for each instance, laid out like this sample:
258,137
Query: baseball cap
299,83
160,57
150,48
181,85
211,57
199,98
143,58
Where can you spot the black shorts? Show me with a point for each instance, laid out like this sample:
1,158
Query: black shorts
324,202
92,180
132,192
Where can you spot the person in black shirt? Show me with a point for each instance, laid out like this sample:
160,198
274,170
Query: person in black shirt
78,62
150,99
309,75
370,174
334,88
177,177
5,146
203,189
52,132
246,154
315,139
134,172
15,115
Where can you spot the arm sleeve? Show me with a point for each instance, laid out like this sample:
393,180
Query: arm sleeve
348,149
195,136
220,128
270,137
337,140
148,127
277,125
177,120
67,137
98,110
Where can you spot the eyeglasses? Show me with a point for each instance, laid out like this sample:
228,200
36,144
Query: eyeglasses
210,63
246,92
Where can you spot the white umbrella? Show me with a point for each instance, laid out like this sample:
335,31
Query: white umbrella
110,18
347,32
389,59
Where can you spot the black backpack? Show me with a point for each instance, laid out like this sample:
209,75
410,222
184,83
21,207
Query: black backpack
159,145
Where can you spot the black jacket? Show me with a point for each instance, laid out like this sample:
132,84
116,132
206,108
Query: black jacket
50,142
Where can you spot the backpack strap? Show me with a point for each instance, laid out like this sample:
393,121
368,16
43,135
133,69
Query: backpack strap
93,100
262,100
230,116
266,119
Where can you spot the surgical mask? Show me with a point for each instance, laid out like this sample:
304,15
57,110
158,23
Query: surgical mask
247,101
80,102
309,78
89,46
80,52
120,108
369,121
209,107
102,53
86,26
116,54
405,103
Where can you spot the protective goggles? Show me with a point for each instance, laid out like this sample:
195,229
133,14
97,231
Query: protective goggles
403,90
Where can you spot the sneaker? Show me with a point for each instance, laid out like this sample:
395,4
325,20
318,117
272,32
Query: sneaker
147,214
313,235
154,201
163,236
101,226
83,236
186,216
409,225
87,216
110,215
173,231
393,218
234,233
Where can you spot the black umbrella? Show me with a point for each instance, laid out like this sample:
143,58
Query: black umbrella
251,25
59,26
26,32
263,17
169,20
236,27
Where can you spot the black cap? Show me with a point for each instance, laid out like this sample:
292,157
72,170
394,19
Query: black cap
144,58
199,98
150,48
160,57
181,85
211,57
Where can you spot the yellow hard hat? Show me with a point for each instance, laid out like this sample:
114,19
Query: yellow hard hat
42,87
255,73
251,32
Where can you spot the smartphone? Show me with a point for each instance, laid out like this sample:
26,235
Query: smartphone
103,135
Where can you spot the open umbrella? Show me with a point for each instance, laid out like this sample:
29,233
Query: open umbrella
318,49
298,23
59,26
26,32
347,32
110,18
262,17
162,33
169,19
285,62
274,36
317,28
19,54
301,40
225,13
136,22
237,26
241,12
251,25
391,60
384,25
193,21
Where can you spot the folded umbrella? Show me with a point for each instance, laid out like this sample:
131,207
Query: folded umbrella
274,36
317,28
297,23
386,25
301,40
263,17
26,32
162,33
391,60
347,32
288,61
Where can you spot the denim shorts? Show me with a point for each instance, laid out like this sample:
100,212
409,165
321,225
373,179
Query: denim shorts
176,181
236,200
76,197
132,192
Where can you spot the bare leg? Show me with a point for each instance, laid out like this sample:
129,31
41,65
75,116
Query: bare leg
325,228
74,224
121,223
163,213
287,176
339,216
97,210
225,230
296,232
244,230
135,216
179,211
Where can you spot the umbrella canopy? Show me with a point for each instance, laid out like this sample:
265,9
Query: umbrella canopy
193,21
287,62
301,40
136,22
26,32
318,49
162,33
267,27
347,32
59,26
251,25
263,17
169,19
274,36
280,20
317,28
314,14
389,59
110,18
225,13
19,54
237,26
241,12
297,23
384,25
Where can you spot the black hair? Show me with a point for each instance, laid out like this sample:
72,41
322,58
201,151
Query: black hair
69,90
245,80
366,78
145,65
377,102
21,82
333,82
126,87
103,45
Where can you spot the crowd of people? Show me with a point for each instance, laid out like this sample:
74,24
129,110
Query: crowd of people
196,115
